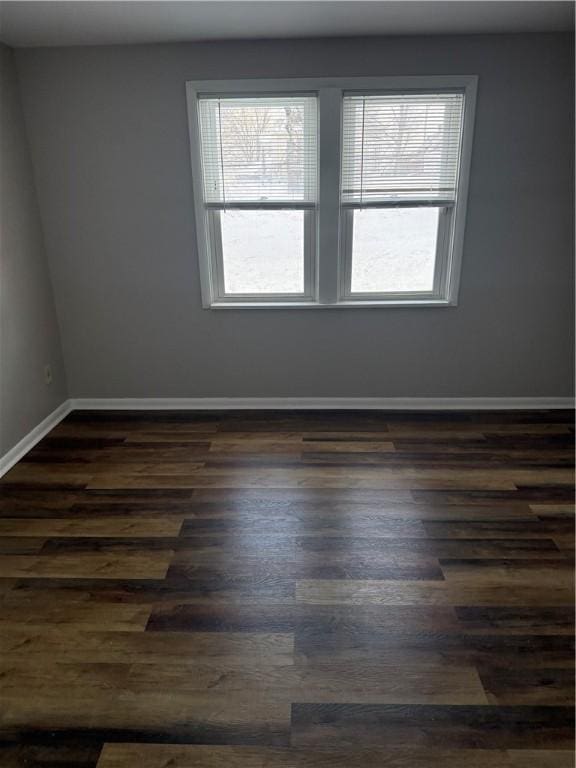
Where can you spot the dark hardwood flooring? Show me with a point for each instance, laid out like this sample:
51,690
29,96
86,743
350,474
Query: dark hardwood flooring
290,590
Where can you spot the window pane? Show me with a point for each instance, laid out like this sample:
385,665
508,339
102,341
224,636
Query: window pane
401,146
394,249
259,148
263,251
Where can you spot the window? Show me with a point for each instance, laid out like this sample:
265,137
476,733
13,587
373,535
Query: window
400,160
322,193
259,180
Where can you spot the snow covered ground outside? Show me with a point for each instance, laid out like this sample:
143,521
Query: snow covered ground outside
393,250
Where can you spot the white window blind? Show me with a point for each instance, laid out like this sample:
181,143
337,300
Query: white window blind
401,148
259,151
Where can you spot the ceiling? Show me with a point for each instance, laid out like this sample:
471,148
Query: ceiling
24,23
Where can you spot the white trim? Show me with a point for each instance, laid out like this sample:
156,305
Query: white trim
306,84
352,304
323,403
330,111
34,436
458,223
204,260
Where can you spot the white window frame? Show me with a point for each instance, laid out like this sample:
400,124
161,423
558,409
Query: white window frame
328,236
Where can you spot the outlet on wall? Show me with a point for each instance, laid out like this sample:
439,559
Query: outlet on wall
47,374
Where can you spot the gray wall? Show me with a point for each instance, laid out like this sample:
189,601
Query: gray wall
109,141
29,337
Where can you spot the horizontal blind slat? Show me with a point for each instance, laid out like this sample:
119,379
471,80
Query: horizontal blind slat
400,146
259,149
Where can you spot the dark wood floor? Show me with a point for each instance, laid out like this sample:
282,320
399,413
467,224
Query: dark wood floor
284,590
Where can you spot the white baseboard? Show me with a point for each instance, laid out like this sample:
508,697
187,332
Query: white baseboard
276,403
34,436
323,403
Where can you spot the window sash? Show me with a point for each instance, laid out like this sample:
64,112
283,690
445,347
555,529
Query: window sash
400,147
274,163
441,259
217,264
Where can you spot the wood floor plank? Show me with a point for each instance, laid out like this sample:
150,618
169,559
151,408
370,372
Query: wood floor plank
45,756
553,510
509,573
427,593
527,620
130,565
482,549
16,545
464,727
348,446
176,756
36,617
517,529
84,644
551,687
539,758
80,527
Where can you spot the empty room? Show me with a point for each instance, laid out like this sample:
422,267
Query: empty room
287,384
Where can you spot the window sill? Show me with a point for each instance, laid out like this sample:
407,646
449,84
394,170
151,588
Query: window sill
347,304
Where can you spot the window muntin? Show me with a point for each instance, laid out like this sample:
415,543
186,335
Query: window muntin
329,207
